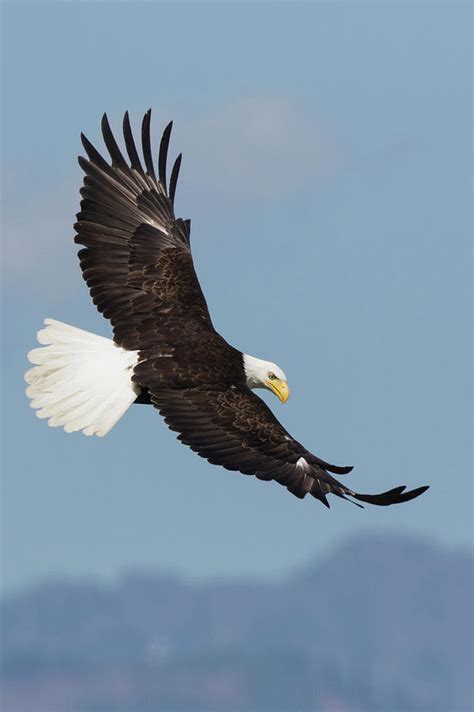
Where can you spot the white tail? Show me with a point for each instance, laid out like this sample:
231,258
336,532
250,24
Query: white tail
81,381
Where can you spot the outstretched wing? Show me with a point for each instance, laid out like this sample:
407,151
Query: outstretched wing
137,260
234,428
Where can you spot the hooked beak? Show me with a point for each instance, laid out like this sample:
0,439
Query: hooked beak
279,388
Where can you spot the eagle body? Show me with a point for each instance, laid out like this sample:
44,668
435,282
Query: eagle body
136,259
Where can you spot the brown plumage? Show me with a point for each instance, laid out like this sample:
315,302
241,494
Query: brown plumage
138,266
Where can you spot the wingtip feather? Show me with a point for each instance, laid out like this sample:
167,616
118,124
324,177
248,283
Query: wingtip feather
397,495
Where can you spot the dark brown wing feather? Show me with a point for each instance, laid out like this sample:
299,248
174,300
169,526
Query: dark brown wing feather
137,260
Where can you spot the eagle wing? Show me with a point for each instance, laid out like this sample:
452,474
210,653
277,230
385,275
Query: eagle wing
234,428
136,259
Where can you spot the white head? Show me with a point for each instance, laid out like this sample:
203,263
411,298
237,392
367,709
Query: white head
265,374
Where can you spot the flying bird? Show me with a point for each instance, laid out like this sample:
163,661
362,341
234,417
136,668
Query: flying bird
136,260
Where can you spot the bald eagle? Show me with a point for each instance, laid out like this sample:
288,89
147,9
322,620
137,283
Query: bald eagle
136,260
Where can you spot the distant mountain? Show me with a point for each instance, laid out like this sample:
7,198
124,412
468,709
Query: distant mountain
382,625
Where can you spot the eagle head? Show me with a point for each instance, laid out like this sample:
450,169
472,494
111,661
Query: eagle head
265,374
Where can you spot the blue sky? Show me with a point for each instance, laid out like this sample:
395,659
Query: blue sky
327,172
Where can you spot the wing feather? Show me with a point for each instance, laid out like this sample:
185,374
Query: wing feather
174,177
118,161
163,155
146,143
130,145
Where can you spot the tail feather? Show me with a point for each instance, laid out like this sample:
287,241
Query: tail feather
80,381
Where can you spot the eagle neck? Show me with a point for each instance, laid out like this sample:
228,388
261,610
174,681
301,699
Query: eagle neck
253,369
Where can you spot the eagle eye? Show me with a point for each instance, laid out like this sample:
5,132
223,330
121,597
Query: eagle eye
271,376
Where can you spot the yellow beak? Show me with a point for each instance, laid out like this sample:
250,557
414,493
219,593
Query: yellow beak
279,388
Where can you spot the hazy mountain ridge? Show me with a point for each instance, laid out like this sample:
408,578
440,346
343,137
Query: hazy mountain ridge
382,624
